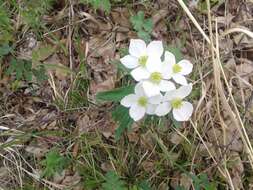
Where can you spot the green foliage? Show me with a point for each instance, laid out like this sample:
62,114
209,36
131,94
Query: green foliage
202,182
5,49
98,4
113,182
5,24
115,95
54,163
121,116
142,26
34,10
78,95
176,51
202,6
144,185
23,70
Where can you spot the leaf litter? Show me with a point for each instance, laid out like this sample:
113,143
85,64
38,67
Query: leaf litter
35,109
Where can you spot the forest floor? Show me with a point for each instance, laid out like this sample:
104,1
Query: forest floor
57,55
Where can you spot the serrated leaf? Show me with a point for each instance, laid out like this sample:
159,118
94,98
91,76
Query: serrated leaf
104,5
148,25
54,162
142,26
176,51
113,182
122,118
42,53
115,95
144,35
5,49
144,185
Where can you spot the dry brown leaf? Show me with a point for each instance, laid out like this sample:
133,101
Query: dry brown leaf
245,71
148,166
107,166
162,13
38,152
185,181
108,84
120,16
237,170
175,138
55,60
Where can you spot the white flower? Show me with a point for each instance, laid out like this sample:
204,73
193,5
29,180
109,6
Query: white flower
182,110
139,55
178,70
140,104
159,74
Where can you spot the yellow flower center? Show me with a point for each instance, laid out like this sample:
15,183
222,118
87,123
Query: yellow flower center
156,77
176,68
176,103
143,60
142,101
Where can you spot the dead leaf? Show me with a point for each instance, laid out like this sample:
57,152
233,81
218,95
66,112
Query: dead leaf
38,152
106,85
185,181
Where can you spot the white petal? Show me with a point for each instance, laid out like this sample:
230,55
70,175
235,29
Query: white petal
151,109
154,64
184,113
186,67
138,89
129,61
181,93
170,95
151,89
129,100
155,48
169,58
155,99
137,47
140,73
166,86
137,112
166,70
184,91
163,109
180,79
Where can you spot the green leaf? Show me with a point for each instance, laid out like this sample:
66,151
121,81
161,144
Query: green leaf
42,53
115,95
137,20
122,118
176,51
144,35
142,26
144,185
148,25
54,162
104,4
5,49
113,182
40,73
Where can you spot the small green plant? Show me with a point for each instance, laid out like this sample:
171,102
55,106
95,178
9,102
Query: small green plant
202,182
120,113
5,24
98,4
113,182
23,70
202,6
54,163
33,11
142,26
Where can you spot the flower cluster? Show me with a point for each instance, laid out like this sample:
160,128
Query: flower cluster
154,93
